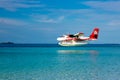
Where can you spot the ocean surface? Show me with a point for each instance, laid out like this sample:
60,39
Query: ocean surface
52,62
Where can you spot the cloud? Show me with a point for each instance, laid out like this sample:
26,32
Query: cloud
104,5
7,21
69,10
43,29
58,15
46,19
13,5
114,23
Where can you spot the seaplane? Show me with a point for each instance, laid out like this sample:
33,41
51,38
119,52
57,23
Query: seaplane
77,39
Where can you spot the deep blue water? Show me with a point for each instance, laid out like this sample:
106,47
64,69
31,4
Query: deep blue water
52,62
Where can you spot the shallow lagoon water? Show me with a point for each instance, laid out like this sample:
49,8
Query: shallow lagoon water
60,63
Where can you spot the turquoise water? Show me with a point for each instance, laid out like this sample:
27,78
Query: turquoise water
60,63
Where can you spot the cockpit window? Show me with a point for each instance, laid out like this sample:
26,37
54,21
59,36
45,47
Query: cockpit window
71,35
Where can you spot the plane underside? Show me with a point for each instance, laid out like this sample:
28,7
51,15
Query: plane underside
72,43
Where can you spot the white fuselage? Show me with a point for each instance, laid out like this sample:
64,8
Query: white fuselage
68,41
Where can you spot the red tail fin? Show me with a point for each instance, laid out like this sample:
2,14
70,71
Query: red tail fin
94,35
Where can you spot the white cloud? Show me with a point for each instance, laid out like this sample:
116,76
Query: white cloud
104,5
45,19
13,5
43,29
69,12
58,15
114,23
7,21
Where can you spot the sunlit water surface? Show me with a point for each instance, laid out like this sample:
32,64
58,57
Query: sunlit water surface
60,63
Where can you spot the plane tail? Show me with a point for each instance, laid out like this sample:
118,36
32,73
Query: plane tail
94,34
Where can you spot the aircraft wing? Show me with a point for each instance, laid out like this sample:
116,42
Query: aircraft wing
79,34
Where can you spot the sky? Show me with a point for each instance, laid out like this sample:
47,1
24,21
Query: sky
42,21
